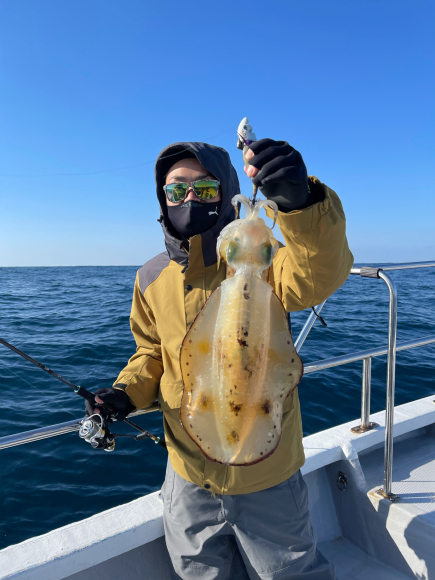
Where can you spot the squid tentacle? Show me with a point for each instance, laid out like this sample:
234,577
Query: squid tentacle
262,203
239,198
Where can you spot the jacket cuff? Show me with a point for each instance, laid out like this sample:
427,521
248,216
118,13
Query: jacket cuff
304,220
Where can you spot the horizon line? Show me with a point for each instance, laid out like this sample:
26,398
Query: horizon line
138,266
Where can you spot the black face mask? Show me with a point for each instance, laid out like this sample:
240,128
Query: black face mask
193,217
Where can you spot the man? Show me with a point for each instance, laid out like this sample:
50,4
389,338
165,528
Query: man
222,521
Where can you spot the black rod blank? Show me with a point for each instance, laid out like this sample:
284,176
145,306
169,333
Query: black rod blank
78,390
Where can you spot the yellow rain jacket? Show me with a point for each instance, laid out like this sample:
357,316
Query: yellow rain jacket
171,289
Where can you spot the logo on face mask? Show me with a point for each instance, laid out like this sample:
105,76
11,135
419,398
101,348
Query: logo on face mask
213,212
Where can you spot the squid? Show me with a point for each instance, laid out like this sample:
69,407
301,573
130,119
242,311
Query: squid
238,360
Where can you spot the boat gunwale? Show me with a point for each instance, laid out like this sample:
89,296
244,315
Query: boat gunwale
83,544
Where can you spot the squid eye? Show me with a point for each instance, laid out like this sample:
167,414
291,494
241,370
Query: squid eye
266,253
232,251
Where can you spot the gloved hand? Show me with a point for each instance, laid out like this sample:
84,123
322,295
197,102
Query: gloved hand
280,173
116,398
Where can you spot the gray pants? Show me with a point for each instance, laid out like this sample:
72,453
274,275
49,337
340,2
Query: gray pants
266,535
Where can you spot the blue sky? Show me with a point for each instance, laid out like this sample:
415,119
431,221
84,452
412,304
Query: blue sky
88,86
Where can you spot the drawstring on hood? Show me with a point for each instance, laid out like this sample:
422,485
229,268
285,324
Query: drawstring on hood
178,226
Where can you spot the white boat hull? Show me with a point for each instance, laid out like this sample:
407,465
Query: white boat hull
364,536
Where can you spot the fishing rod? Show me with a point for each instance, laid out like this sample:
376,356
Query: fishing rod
94,429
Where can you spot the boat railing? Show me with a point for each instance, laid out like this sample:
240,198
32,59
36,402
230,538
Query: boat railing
363,355
380,273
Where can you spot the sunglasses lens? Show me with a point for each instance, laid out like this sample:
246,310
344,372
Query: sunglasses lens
206,189
176,191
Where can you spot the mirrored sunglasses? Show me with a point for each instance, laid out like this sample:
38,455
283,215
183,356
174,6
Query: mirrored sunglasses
204,189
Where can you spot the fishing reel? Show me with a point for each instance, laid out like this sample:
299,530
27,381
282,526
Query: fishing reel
94,431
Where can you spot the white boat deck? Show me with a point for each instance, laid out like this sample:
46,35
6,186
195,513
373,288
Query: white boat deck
366,538
410,521
398,540
351,563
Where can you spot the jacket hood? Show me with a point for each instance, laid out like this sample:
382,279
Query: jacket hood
217,161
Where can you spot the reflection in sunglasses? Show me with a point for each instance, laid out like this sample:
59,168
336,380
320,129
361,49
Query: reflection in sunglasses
204,189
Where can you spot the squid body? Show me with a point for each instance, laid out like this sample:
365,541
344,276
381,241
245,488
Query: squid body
238,360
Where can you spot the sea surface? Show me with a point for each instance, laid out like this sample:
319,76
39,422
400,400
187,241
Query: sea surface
76,321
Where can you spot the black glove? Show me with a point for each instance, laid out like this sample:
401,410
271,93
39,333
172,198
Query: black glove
282,175
116,398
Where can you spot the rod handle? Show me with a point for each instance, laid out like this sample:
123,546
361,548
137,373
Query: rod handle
85,394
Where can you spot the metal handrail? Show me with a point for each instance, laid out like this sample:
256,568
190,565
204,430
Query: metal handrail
391,386
404,266
71,426
337,361
308,326
379,272
58,429
365,356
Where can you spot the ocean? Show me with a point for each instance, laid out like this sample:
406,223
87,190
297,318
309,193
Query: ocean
76,321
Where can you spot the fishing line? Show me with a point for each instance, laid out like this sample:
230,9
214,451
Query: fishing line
39,391
106,170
